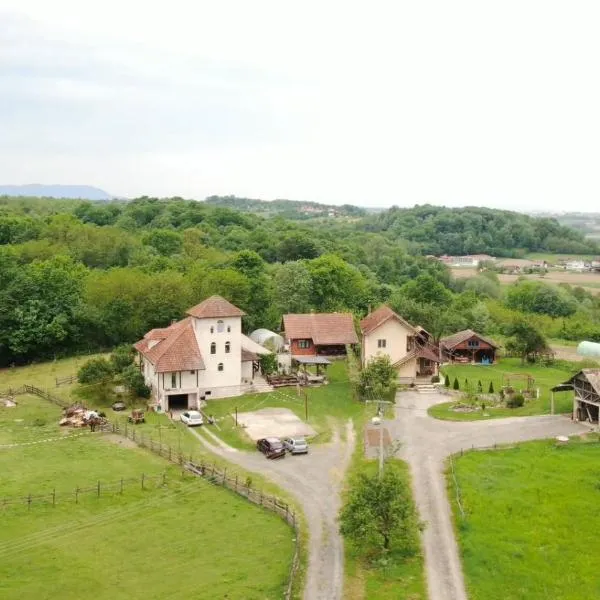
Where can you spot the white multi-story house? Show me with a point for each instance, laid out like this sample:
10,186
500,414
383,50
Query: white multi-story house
203,356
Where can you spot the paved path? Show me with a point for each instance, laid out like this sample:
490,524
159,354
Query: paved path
425,445
315,480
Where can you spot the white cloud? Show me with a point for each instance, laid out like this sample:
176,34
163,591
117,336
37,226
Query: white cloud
381,103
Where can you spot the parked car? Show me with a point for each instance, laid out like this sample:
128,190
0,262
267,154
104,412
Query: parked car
295,445
191,418
119,406
271,447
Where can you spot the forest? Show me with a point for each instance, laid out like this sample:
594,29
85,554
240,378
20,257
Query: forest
78,276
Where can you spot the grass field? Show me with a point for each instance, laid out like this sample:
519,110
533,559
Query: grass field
172,541
371,577
326,405
552,258
531,522
545,378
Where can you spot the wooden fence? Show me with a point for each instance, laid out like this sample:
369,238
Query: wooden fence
98,489
199,468
66,380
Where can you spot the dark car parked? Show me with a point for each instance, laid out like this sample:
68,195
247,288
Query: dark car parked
271,447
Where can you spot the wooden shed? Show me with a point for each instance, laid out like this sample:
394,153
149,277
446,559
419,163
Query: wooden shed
586,395
468,347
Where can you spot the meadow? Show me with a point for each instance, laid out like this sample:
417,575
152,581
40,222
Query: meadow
171,537
531,521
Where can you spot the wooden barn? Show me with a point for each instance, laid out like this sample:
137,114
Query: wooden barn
468,347
586,394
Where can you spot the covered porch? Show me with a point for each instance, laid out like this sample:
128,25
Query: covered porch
318,372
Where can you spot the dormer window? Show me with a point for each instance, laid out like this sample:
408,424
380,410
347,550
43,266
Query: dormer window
227,347
213,348
220,326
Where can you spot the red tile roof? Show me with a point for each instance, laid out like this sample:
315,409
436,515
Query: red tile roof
378,317
176,350
215,307
321,328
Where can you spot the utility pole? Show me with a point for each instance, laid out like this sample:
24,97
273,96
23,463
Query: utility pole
305,405
380,404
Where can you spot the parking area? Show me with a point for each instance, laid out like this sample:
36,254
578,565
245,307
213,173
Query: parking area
273,422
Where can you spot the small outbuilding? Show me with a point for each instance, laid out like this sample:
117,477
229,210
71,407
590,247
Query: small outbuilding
468,347
586,395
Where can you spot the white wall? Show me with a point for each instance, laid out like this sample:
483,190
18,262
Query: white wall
395,335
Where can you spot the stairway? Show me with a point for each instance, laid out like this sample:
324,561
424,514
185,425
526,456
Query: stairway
259,386
426,388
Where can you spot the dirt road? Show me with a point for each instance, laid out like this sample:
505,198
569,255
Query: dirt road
315,480
425,445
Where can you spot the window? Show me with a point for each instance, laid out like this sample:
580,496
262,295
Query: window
410,343
220,326
227,347
473,344
173,380
212,329
381,343
220,367
192,372
304,344
228,328
213,348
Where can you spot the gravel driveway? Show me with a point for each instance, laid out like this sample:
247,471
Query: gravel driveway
316,481
425,444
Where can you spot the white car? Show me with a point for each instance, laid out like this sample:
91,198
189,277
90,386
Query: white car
296,445
191,418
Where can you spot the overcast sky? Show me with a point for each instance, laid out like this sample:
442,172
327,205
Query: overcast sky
371,103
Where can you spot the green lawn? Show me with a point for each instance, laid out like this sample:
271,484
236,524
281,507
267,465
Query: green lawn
327,405
172,541
552,258
531,522
545,378
393,578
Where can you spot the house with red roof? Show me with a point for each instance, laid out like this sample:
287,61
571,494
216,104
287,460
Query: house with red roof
409,348
468,346
319,334
203,356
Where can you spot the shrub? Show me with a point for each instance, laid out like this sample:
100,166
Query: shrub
435,379
479,386
456,386
515,401
491,388
95,370
447,381
134,380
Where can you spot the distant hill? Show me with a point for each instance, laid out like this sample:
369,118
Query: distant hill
290,209
37,190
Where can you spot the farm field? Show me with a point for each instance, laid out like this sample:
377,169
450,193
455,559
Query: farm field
170,539
326,403
531,517
545,378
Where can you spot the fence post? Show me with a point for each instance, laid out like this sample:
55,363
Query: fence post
142,481
53,496
236,483
98,488
76,495
29,501
133,434
121,490
224,476
170,454
164,479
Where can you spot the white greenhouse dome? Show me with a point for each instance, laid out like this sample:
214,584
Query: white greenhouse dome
268,339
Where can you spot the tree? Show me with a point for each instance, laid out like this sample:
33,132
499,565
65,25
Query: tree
164,241
537,297
296,246
378,380
447,381
134,380
525,341
268,363
491,388
380,511
292,283
95,370
456,385
426,290
121,357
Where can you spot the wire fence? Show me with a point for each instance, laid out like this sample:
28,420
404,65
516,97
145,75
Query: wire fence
200,468
98,489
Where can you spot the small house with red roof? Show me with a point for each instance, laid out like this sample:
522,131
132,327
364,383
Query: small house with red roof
319,334
203,356
409,348
468,347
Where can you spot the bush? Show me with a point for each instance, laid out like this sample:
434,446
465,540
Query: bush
268,364
435,379
121,357
515,401
447,381
479,387
491,388
456,386
95,370
134,380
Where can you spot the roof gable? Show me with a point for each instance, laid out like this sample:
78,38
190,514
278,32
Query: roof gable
178,351
453,340
215,307
381,315
592,375
321,328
